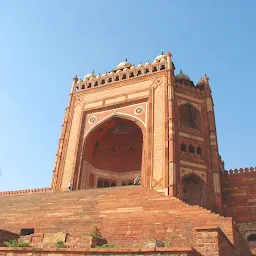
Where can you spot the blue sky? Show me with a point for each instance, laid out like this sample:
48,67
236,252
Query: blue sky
44,44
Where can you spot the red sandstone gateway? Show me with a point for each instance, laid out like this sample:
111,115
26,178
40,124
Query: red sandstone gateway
136,124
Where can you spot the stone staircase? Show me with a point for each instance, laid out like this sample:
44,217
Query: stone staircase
126,216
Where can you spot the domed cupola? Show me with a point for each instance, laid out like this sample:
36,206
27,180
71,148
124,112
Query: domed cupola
160,57
89,76
124,64
181,77
201,82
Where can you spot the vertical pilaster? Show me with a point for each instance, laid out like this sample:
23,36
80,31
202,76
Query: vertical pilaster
171,129
213,148
59,155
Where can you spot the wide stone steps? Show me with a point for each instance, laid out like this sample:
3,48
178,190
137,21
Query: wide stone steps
123,214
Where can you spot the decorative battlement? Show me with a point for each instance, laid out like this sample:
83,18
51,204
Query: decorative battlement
189,88
240,171
124,71
26,191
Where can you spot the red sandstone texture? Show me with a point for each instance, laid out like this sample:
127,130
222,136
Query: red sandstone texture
138,121
126,216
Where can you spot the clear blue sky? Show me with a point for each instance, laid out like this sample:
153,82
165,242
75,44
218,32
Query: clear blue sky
44,44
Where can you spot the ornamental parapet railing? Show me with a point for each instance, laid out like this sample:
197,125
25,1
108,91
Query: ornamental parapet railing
240,171
120,75
26,191
189,88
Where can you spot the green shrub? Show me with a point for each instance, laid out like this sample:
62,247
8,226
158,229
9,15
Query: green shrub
106,246
95,233
60,244
15,243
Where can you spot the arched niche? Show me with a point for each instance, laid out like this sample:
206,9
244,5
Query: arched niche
193,190
189,117
112,154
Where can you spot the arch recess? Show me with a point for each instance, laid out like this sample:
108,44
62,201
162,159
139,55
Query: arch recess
113,152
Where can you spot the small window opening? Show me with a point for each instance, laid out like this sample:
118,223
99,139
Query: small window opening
162,67
83,87
199,151
76,89
100,184
96,83
117,78
154,69
110,80
103,81
251,238
106,184
124,76
191,149
90,85
183,147
146,71
131,74
139,73
27,231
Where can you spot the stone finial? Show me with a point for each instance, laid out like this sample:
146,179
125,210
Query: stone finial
75,78
126,60
206,78
162,53
181,71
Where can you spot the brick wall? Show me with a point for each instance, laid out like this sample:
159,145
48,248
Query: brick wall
211,241
238,191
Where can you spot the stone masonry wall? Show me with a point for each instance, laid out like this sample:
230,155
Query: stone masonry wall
238,191
112,252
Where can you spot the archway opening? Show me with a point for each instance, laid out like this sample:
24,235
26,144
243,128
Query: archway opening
189,117
193,190
112,155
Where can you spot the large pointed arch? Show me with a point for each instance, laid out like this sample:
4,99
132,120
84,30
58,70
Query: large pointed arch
114,160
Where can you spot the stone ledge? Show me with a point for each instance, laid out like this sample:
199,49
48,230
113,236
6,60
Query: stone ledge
79,250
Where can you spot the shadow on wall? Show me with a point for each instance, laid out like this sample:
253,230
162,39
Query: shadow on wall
7,236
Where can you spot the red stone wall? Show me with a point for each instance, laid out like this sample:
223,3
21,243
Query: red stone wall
112,252
211,241
238,191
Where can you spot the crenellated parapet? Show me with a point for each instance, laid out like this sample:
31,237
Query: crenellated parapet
124,71
240,171
26,191
189,88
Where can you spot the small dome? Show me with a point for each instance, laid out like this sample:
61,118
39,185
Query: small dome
140,65
201,82
160,57
126,69
132,67
91,78
118,71
111,72
147,63
182,76
162,60
98,76
88,76
124,64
